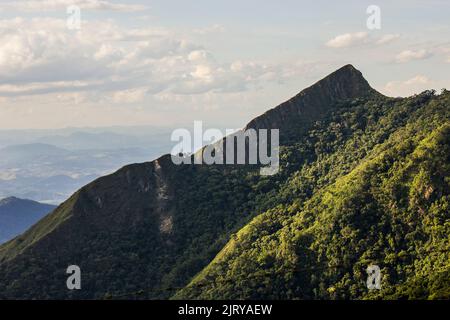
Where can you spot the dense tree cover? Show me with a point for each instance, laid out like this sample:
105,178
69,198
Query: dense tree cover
365,182
374,189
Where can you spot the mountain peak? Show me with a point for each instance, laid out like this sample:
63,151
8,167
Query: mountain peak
9,200
351,79
347,68
313,102
17,215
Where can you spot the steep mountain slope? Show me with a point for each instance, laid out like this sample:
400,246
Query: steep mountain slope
392,210
313,102
148,229
17,215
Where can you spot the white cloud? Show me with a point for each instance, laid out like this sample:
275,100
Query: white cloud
200,55
360,38
348,40
408,87
129,96
387,38
41,56
43,50
37,88
47,5
409,55
419,79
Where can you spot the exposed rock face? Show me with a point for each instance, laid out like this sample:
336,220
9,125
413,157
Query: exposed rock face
162,201
312,102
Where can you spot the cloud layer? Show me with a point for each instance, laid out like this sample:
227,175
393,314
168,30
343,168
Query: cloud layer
41,56
123,67
348,40
409,55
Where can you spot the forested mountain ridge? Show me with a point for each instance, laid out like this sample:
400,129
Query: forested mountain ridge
392,210
363,180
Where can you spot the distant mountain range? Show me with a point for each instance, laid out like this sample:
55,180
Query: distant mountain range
17,215
363,182
88,138
49,168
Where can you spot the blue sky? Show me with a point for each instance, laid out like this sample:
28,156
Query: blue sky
168,63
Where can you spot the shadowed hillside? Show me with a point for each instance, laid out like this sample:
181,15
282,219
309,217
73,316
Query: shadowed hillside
17,215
